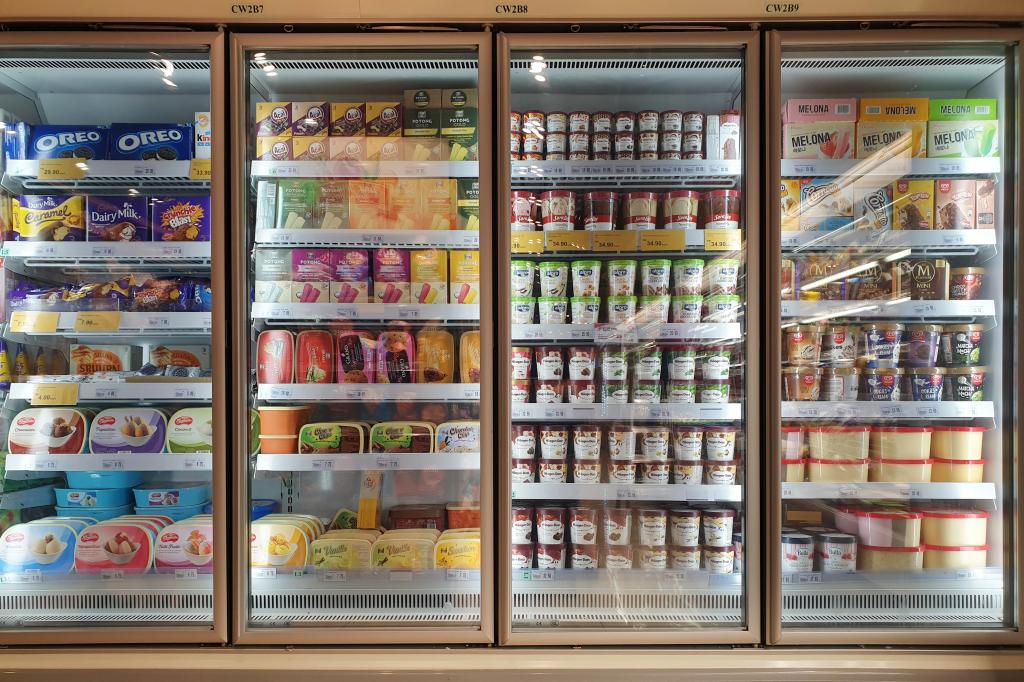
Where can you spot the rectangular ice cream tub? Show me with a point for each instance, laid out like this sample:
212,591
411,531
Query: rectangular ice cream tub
48,547
185,545
128,430
114,546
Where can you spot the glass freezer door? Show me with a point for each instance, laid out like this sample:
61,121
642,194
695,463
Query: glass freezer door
108,417
626,361
898,332
366,226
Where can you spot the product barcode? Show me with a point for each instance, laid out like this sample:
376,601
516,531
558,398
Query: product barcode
842,108
186,574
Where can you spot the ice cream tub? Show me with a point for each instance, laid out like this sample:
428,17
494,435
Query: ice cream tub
523,309
617,526
622,442
655,277
716,362
458,436
721,308
175,513
275,357
586,472
881,384
98,497
680,362
654,442
135,430
521,362
103,479
190,430
723,276
586,441
99,513
557,210
171,494
584,391
553,471
550,556
838,442
554,441
520,391
355,357
331,438
791,444
48,430
717,525
840,384
957,442
797,555
548,391
961,344
922,345
621,309
883,342
964,383
278,445
955,558
524,470
901,442
186,545
926,383
687,472
837,470
686,308
647,365
550,524
621,277
352,554
581,363
871,558
839,346
687,442
585,309
803,344
721,472
653,309
553,309
645,392
403,554
720,442
793,470
958,470
900,470
550,362
123,547
586,277
687,277
622,472
801,383
281,420
889,528
954,527
48,547
523,273
554,278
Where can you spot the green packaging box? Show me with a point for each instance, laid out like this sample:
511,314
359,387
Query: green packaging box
963,110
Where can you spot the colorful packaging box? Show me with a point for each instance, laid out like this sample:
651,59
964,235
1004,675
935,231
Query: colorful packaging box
425,149
891,109
367,204
348,119
350,276
107,546
92,358
963,110
825,204
273,119
421,113
955,204
963,139
266,204
18,140
985,204
136,430
871,284
814,269
310,148
332,205
460,123
69,141
821,140
150,141
273,275
907,138
296,204
467,204
310,118
922,279
383,119
405,203
274,148
117,218
816,110
789,204
174,355
464,278
49,218
185,545
383,149
872,205
311,275
391,276
203,140
181,219
438,203
429,275
346,148
912,204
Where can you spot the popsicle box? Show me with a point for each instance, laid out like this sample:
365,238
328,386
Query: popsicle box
963,128
464,277
817,110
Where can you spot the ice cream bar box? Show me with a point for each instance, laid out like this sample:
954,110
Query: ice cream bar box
815,110
894,109
311,275
181,219
429,275
963,110
391,273
350,276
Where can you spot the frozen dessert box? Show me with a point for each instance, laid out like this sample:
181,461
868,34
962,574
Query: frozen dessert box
134,430
897,138
181,219
391,276
821,140
963,128
278,543
48,218
117,218
815,110
46,546
350,275
356,357
150,141
331,437
48,430
190,430
311,275
825,204
188,544
122,546
458,436
90,359
69,141
889,109
429,275
341,553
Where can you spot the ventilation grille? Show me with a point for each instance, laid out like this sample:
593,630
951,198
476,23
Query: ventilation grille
931,607
378,618
423,603
888,62
626,607
366,64
106,607
103,64
646,64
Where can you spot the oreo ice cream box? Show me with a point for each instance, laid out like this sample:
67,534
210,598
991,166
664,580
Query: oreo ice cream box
151,141
68,141
117,218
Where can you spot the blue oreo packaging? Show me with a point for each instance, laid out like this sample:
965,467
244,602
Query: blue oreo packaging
17,138
68,141
151,141
117,218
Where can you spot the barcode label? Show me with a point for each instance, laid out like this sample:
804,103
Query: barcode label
843,108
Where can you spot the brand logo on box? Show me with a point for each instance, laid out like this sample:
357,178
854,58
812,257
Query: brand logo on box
129,142
45,143
26,421
106,421
183,421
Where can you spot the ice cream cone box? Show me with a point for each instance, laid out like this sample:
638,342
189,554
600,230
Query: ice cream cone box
820,140
114,546
350,276
187,544
44,546
135,430
429,269
311,275
391,276
464,279
825,204
955,204
367,204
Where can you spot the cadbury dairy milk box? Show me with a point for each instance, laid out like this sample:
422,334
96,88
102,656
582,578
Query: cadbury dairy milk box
150,141
117,218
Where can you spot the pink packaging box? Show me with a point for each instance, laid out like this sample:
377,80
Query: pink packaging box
350,276
391,276
814,110
311,275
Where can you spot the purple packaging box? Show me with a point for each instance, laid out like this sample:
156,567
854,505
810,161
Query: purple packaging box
391,276
117,219
181,219
350,275
311,275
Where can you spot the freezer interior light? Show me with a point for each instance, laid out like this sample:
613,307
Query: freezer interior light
537,67
169,83
540,78
538,57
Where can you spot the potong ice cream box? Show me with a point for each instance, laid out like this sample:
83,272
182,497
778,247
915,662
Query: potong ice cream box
391,276
311,275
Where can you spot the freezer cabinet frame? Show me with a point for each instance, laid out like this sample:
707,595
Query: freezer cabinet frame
749,43
893,39
217,633
241,45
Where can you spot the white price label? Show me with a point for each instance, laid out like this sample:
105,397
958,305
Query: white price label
471,393
711,412
953,238
172,251
323,465
26,577
461,574
848,491
279,311
908,491
346,312
105,393
112,464
387,463
951,168
541,574
804,168
372,239
627,492
581,334
891,411
400,576
298,572
280,392
554,413
186,574
264,572
787,490
969,574
141,171
405,313
927,411
194,465
334,577
354,393
922,308
808,412
44,465
185,394
469,240
111,574
670,333
101,251
284,170
157,322
654,412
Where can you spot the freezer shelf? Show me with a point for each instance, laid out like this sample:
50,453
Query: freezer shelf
441,239
127,324
888,410
625,333
365,169
898,308
370,461
897,167
889,491
605,412
620,491
386,312
98,176
184,596
375,392
948,242
944,597
119,251
698,173
100,391
448,597
195,461
593,597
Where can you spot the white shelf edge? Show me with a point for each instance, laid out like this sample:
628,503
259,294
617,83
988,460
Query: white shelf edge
885,309
843,239
889,491
614,491
605,412
199,461
895,167
437,461
197,391
115,250
136,323
463,239
364,169
99,169
669,331
439,392
854,410
696,168
365,311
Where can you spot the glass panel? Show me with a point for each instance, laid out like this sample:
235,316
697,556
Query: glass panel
365,348
105,362
626,357
897,411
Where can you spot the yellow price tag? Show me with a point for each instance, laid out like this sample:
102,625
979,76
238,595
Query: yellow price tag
723,240
30,321
201,169
98,322
527,242
567,240
663,240
54,394
619,240
61,169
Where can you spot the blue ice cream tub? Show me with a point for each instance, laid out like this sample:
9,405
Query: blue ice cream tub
260,508
167,494
103,479
93,497
98,513
175,513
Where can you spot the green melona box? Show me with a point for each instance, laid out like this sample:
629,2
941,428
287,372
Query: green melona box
963,110
963,139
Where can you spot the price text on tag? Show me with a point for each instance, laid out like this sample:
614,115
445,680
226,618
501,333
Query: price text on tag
98,322
54,394
62,169
200,169
663,240
28,321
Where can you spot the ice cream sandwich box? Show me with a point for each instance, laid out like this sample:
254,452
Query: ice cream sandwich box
825,204
346,148
277,148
